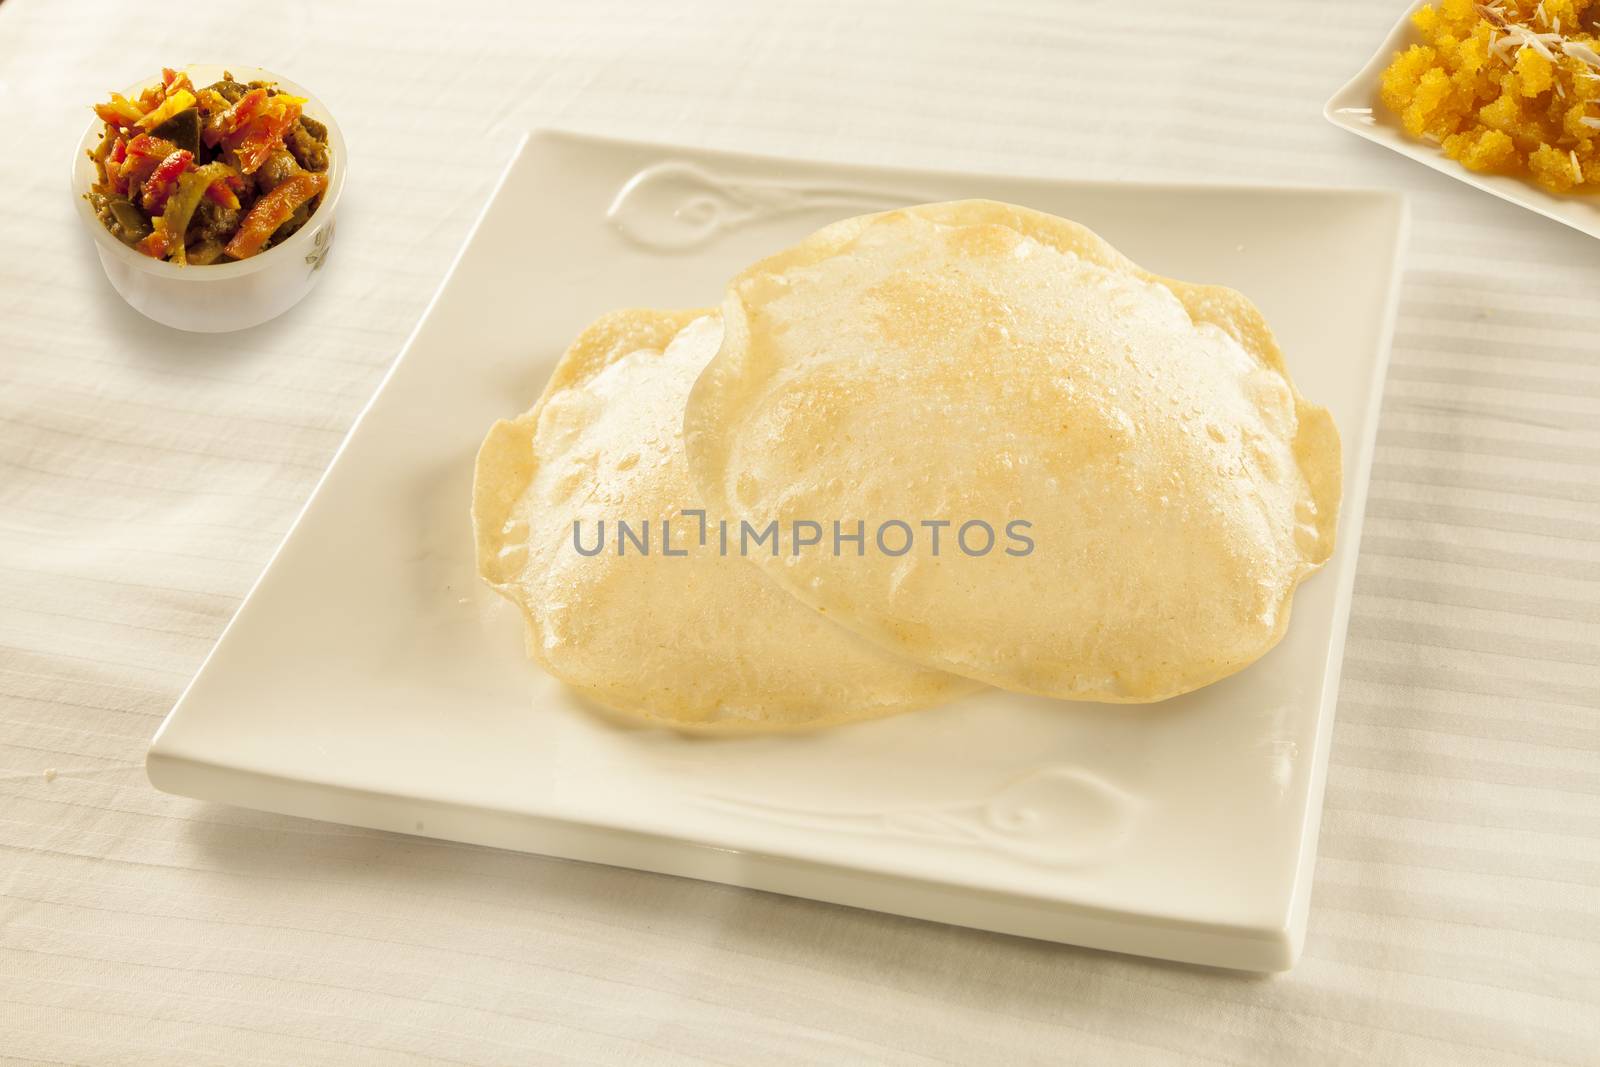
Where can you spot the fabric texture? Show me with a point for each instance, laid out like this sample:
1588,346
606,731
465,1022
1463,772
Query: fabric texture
146,476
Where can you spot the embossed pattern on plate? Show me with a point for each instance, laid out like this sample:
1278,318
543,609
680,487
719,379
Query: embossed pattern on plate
678,206
1057,815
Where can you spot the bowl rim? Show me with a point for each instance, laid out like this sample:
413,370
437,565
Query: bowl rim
80,177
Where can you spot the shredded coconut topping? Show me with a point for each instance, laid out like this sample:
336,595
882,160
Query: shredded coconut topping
1582,53
1518,36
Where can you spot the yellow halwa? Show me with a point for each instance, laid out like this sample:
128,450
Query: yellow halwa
1510,87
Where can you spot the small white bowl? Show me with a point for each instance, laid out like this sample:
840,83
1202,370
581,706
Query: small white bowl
1356,108
225,296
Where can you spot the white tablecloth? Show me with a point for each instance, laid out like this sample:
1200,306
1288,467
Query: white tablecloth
146,476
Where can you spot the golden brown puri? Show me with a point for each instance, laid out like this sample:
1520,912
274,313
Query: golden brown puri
702,641
981,361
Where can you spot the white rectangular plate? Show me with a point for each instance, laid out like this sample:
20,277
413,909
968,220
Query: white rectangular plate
370,678
1356,108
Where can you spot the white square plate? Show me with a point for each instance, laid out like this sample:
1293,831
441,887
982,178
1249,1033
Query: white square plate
370,678
1356,108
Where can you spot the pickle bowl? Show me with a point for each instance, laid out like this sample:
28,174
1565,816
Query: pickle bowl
218,297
